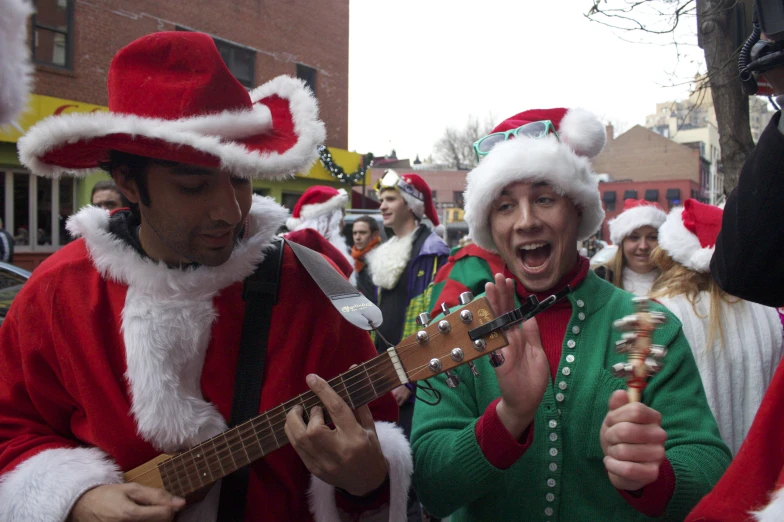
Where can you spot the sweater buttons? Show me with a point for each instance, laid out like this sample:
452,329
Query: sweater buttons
553,452
580,303
562,385
550,497
553,467
575,330
551,483
570,358
581,316
566,370
559,397
553,437
548,511
552,423
570,343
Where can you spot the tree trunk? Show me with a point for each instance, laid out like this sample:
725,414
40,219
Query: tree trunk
715,25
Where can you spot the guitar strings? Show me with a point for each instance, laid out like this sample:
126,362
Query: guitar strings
235,443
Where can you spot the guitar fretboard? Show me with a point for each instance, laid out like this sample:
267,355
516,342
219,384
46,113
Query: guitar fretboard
221,455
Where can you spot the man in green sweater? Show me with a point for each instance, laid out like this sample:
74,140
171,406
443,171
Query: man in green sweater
550,434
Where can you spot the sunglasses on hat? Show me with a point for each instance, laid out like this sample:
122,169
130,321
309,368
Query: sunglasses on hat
535,130
391,180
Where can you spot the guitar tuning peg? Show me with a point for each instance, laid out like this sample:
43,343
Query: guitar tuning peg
652,365
474,371
444,309
658,317
625,342
465,298
641,304
452,380
658,352
423,319
496,359
630,322
622,369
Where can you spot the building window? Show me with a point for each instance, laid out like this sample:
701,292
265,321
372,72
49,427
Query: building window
30,203
652,195
289,199
241,61
435,195
52,32
309,75
458,197
629,194
673,196
609,200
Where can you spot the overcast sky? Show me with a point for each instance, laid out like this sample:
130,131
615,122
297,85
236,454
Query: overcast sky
418,66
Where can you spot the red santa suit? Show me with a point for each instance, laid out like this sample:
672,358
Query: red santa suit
109,358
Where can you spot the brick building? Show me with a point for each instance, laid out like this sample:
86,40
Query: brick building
642,164
73,41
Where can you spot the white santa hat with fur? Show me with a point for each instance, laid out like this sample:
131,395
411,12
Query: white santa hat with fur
689,234
16,73
636,213
559,159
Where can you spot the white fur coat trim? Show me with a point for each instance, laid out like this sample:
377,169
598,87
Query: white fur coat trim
167,321
773,512
388,261
45,487
630,220
15,69
531,161
682,245
212,134
397,452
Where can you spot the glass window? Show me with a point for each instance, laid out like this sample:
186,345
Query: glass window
308,74
2,200
289,199
52,28
44,212
241,61
67,205
21,209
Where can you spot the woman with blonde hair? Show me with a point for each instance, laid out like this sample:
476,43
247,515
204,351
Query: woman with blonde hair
635,231
737,344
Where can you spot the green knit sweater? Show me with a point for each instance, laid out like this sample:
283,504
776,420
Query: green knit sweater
561,476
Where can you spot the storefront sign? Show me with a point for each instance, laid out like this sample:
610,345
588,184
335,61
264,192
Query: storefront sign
40,107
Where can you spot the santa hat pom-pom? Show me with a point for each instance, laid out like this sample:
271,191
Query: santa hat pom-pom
583,132
293,223
440,231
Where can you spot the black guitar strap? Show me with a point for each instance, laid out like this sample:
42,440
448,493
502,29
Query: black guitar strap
260,293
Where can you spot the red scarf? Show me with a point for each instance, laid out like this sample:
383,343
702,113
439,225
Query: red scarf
359,255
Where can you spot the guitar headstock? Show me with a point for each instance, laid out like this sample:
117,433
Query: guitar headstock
445,345
644,358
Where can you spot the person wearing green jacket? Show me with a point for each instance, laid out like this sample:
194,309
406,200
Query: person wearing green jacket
551,433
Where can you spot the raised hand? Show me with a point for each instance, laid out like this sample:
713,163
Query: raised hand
125,502
349,456
524,376
632,440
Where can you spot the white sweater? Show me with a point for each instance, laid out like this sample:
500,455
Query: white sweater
639,284
738,367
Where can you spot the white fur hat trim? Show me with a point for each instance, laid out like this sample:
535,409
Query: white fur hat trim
531,160
317,209
630,220
682,245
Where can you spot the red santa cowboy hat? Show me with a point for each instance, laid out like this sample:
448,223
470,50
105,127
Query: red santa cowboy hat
636,213
689,234
15,70
171,97
416,193
559,159
317,201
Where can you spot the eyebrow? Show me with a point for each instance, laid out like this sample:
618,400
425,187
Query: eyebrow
537,185
189,170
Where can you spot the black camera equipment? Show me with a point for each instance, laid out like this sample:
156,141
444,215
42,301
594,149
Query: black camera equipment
756,55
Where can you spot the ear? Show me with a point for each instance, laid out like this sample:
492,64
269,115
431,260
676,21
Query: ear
126,184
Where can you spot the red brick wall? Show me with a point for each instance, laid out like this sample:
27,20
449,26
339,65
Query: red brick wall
283,34
642,155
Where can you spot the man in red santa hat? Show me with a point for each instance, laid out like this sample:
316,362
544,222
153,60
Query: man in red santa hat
551,433
402,269
321,209
124,344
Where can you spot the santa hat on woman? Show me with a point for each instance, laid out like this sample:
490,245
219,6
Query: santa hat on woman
689,234
317,201
416,193
636,213
16,73
560,160
171,97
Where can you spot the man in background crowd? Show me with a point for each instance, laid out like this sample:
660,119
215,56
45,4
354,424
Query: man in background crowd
366,238
106,195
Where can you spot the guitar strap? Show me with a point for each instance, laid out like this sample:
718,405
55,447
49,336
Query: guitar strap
260,293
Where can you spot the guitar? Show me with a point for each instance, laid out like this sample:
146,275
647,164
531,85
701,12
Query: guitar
644,358
457,339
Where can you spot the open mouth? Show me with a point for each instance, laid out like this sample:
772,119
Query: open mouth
535,257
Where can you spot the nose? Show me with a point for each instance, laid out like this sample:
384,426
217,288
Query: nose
224,205
526,219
